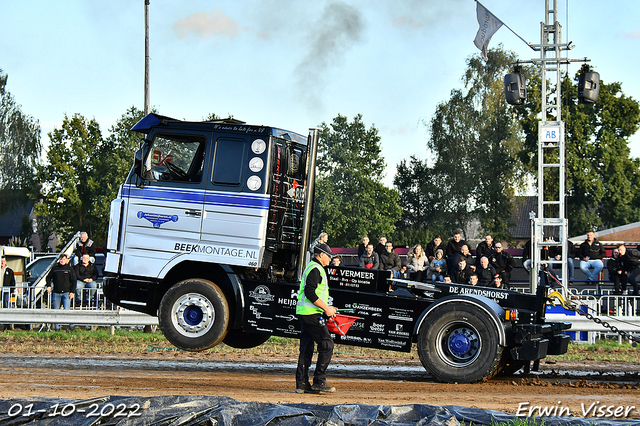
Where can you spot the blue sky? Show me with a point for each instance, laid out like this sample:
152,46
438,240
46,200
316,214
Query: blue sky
285,63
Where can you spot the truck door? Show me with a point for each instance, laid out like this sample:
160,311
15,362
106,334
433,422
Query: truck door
236,202
164,216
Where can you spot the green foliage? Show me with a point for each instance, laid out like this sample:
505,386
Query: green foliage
83,174
19,151
475,170
350,199
71,182
602,180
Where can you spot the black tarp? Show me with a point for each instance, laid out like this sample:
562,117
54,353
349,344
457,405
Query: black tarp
223,411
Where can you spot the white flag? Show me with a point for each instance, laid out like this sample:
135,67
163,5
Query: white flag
489,24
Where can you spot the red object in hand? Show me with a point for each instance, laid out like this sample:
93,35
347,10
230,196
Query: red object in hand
340,323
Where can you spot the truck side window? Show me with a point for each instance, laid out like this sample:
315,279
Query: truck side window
178,157
228,162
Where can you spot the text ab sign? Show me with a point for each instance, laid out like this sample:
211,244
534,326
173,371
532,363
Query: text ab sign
549,133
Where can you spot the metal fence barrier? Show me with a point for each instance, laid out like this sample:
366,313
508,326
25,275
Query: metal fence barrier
22,305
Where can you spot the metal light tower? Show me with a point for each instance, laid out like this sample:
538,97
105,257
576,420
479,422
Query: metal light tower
551,223
550,228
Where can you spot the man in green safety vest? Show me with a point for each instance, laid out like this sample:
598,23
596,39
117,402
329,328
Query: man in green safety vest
313,310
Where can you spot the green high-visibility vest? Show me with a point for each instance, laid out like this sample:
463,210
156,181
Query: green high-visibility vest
304,305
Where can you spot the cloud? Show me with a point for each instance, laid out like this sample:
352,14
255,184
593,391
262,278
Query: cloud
424,14
207,25
338,28
634,35
403,21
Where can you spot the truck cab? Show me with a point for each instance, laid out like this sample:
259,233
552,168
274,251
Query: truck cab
217,199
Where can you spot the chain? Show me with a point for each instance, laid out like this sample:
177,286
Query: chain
574,307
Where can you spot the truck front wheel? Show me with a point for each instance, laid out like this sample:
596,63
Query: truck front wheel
458,342
194,315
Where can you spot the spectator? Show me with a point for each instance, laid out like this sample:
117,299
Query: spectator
369,259
617,274
381,248
485,272
63,279
497,281
473,279
336,261
630,259
363,245
85,246
462,272
438,267
454,246
503,263
591,254
322,239
7,279
446,279
416,263
526,256
86,276
555,253
464,253
434,245
485,248
390,261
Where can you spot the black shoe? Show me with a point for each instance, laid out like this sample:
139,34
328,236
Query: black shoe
323,388
304,389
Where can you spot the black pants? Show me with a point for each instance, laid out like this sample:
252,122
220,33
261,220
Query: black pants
506,276
619,282
633,279
314,329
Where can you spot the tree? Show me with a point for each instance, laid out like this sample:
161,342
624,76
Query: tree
350,199
72,185
420,220
113,161
602,180
84,173
19,151
475,144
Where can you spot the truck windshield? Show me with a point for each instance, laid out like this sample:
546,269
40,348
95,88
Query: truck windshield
178,158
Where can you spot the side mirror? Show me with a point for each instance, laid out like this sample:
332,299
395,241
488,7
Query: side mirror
142,163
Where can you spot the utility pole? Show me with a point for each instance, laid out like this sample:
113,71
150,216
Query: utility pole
146,57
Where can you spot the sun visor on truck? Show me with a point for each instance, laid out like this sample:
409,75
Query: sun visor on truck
149,121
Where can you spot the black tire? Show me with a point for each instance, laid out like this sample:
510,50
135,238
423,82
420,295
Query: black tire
194,315
239,340
459,342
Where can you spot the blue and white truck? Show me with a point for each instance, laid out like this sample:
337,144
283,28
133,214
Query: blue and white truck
209,232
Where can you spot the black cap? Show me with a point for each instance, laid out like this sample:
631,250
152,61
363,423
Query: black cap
323,248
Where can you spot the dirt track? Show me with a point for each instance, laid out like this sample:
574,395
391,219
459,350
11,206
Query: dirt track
156,374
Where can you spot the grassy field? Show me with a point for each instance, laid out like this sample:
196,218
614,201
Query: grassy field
132,342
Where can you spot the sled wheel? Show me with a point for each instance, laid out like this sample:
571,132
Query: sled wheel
458,342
